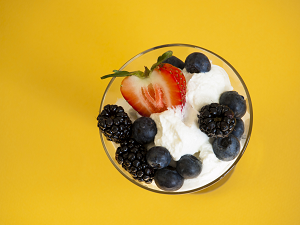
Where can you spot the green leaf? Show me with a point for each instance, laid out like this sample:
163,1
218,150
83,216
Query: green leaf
118,73
139,73
162,58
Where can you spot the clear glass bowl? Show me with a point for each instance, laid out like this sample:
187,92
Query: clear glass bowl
147,58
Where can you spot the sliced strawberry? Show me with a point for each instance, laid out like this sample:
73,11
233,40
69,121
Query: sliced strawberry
155,90
165,87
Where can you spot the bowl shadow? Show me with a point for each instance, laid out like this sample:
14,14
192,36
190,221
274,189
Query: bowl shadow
216,185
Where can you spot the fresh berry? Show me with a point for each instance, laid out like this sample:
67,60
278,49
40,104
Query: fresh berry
155,90
114,123
197,63
174,61
158,157
227,148
216,120
168,179
235,102
132,156
239,128
144,130
188,166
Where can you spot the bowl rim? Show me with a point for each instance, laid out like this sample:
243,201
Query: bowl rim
236,160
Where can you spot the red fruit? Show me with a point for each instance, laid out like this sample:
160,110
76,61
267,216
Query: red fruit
155,90
165,87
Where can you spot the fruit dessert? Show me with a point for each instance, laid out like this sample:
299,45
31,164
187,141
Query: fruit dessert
179,125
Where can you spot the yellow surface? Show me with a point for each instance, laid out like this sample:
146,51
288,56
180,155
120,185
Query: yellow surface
53,169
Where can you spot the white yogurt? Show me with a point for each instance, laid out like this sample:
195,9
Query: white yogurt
176,136
206,88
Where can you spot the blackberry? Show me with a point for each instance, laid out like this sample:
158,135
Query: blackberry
114,123
132,156
216,120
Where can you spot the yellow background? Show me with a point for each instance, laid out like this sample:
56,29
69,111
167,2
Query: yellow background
53,169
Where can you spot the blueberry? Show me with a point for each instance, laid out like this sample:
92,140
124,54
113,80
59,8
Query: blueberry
158,157
188,166
227,148
144,130
168,179
235,102
197,63
239,128
173,60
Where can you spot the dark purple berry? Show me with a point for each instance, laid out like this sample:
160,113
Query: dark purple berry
131,155
174,61
114,127
168,179
235,102
239,128
197,63
158,157
226,149
216,120
188,166
144,130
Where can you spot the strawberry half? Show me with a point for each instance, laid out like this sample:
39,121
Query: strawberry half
155,90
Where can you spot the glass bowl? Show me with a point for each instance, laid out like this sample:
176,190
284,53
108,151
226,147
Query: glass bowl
147,58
